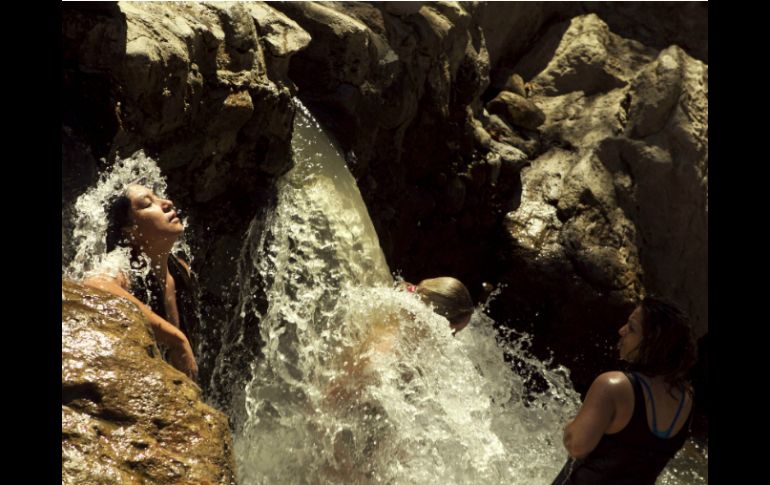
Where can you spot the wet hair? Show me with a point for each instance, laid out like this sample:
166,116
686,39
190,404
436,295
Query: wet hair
118,217
668,344
448,296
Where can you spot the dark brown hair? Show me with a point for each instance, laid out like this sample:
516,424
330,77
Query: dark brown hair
668,344
118,212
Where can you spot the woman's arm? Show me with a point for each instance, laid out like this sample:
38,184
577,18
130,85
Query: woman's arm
584,432
180,351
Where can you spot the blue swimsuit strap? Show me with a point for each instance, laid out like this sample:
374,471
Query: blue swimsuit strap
667,433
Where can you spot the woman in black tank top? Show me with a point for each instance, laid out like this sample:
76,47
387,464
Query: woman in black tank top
631,424
149,290
159,283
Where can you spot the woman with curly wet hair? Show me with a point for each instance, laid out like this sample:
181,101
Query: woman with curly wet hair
149,225
632,423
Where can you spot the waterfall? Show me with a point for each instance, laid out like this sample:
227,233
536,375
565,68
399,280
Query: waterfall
361,382
354,380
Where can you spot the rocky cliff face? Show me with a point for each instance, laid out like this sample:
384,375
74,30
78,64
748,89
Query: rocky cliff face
616,203
127,416
556,150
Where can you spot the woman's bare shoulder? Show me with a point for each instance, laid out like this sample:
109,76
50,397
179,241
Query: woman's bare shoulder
613,382
99,280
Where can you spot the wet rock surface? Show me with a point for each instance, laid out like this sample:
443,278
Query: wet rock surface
617,206
127,416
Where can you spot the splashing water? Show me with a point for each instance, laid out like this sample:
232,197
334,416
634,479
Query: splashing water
89,223
361,382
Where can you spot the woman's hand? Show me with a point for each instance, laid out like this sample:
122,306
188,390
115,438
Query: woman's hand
181,357
180,351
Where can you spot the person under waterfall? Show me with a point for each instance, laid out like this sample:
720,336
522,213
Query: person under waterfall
149,225
447,297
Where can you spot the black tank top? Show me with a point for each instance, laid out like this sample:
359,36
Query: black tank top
148,288
632,456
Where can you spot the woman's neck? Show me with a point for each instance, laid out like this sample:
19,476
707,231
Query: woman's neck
158,255
159,264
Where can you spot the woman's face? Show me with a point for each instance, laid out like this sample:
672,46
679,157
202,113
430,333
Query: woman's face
631,336
152,219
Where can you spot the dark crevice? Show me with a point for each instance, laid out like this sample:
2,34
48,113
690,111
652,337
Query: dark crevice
74,392
116,416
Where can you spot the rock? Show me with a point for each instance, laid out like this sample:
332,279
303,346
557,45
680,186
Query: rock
127,416
650,139
497,127
616,203
501,132
402,8
509,27
508,154
192,74
517,110
515,84
580,55
656,91
506,79
281,36
658,25
337,38
575,120
480,135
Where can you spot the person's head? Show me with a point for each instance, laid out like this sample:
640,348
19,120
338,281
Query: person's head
139,218
449,298
657,339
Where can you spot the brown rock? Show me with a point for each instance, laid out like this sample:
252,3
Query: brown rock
503,133
481,138
580,55
128,416
517,110
616,204
402,8
515,84
641,149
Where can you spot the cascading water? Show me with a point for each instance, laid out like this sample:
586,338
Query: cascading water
362,383
88,227
359,382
